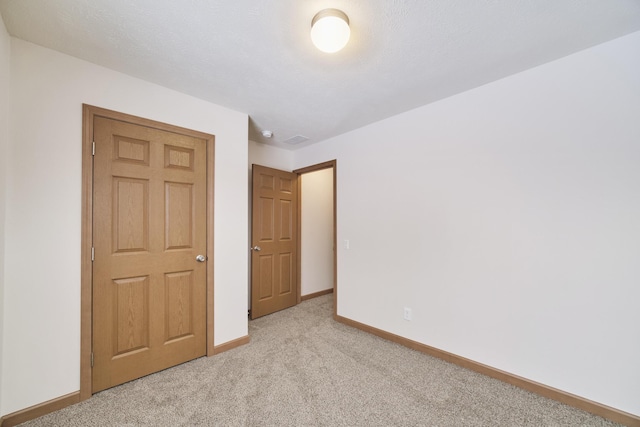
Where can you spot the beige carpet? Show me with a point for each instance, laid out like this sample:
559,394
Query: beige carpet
303,369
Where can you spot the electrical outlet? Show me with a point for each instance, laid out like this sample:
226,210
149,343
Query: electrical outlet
407,313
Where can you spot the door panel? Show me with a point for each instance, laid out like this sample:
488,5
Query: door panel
179,230
178,292
274,230
149,292
130,215
132,304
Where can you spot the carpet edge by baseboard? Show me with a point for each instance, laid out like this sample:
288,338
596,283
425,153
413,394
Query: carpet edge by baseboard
230,345
567,398
316,294
35,411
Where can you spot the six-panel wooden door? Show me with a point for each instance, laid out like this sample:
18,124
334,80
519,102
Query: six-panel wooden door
149,291
274,241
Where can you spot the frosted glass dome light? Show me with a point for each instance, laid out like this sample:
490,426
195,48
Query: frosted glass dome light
330,30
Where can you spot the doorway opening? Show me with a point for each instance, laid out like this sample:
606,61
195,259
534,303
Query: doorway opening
317,260
278,219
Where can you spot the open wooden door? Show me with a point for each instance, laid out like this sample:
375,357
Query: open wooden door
274,241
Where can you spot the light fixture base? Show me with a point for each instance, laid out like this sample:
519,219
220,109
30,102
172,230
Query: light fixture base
324,13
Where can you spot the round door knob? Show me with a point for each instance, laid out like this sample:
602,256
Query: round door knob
256,248
201,258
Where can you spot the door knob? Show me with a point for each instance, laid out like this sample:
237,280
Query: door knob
256,248
201,258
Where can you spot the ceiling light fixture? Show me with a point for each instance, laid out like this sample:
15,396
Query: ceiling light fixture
330,30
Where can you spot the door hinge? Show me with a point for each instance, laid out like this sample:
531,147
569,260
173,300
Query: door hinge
93,254
93,148
92,359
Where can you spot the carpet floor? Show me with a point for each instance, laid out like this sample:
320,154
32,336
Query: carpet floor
304,369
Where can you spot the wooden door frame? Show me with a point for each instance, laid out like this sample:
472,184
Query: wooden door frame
333,164
89,112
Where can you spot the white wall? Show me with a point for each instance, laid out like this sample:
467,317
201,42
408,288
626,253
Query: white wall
43,220
272,157
317,232
5,52
506,217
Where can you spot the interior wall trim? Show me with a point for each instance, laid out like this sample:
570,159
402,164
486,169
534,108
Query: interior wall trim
595,408
39,410
230,345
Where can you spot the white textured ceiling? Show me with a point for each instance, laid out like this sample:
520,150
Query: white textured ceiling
256,56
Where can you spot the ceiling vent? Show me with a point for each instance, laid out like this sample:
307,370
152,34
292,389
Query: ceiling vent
295,140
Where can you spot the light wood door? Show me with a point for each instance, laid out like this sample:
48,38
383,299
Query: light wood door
274,241
149,291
